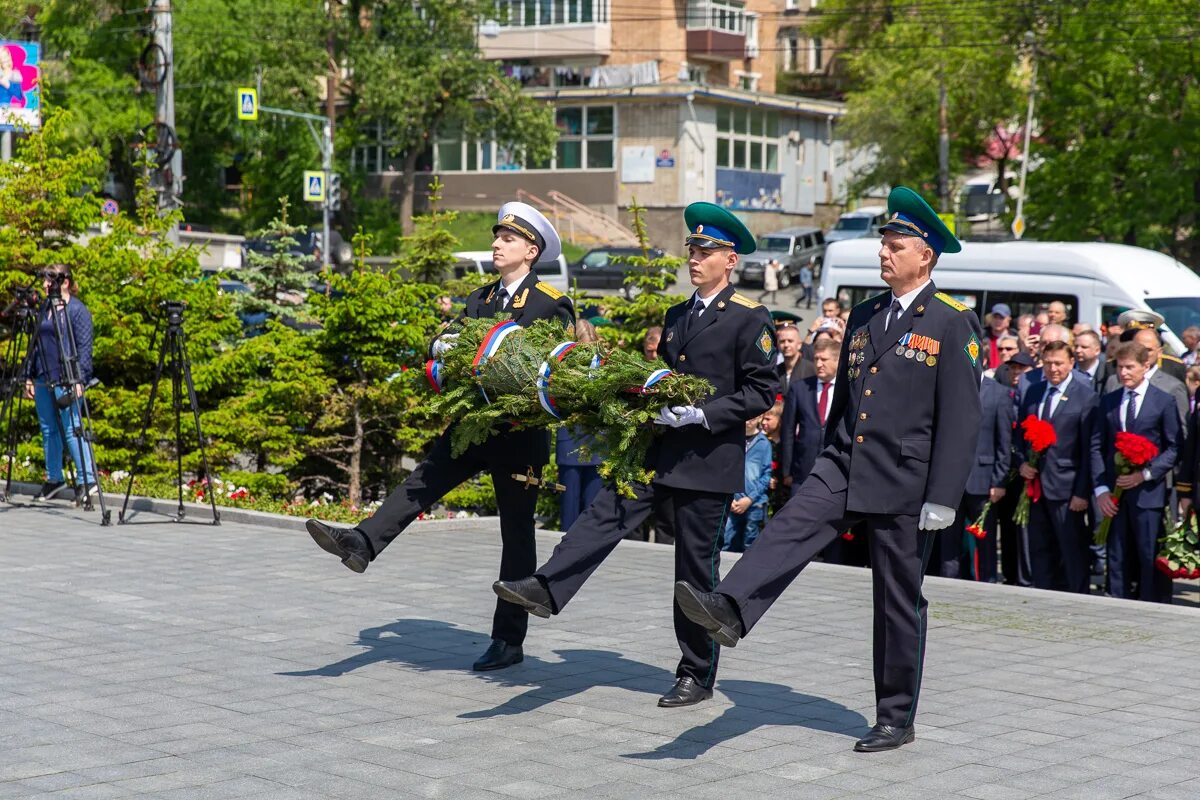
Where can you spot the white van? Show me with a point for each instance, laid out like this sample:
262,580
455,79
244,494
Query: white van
551,272
1096,281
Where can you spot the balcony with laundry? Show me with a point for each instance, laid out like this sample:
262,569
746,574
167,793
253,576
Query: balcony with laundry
539,29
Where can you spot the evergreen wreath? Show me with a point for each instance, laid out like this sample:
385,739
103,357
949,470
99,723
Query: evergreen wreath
500,376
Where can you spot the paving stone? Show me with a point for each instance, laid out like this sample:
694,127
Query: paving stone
156,661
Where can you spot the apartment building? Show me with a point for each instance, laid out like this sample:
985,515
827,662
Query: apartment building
663,101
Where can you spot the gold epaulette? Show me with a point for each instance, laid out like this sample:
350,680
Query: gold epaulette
742,300
950,301
549,290
1169,357
1183,488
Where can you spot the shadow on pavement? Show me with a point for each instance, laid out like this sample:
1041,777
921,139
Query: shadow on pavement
430,645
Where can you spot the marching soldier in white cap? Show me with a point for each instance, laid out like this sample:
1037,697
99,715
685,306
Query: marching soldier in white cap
523,238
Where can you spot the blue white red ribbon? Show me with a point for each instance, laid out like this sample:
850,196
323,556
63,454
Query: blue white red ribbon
654,378
433,374
543,380
488,347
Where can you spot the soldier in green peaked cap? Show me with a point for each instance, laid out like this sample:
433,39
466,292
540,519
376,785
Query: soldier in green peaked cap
910,215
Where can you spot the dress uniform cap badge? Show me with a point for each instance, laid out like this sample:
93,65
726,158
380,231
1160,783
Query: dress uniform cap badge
699,229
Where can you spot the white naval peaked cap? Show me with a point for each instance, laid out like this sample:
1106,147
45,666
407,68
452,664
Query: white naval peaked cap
530,223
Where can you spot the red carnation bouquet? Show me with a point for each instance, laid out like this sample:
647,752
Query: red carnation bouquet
1180,554
1040,436
1133,454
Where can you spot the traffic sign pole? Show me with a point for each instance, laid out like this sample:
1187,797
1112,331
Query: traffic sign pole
324,141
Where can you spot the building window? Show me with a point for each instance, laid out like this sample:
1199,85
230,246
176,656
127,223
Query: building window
717,15
543,13
747,138
748,81
586,140
816,60
789,48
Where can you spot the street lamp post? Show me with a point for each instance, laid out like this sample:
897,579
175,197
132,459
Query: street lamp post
1018,225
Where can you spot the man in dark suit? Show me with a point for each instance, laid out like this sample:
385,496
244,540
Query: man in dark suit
985,483
1089,359
905,401
698,461
1058,538
1014,547
1142,408
793,366
523,237
805,411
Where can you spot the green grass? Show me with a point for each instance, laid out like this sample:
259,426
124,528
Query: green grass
473,229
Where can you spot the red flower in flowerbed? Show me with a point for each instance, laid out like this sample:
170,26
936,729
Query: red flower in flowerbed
1040,436
1133,454
1180,553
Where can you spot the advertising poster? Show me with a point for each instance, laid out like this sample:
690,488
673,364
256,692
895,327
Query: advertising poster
20,98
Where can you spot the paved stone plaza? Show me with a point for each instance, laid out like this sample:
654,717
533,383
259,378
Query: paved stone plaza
181,661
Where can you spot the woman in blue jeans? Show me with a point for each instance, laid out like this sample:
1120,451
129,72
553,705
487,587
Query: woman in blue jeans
49,395
748,510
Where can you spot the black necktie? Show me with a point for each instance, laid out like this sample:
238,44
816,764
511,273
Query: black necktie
1049,404
693,315
1131,410
501,294
893,314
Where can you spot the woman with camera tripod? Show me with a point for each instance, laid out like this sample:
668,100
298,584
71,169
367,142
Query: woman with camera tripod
63,345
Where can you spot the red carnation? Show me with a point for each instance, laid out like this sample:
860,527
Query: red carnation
848,536
1038,433
1040,436
1164,566
1137,450
1133,453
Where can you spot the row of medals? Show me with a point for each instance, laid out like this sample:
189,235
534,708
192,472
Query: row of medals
920,355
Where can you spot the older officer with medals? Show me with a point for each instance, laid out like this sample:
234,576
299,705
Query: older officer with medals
699,460
523,237
899,446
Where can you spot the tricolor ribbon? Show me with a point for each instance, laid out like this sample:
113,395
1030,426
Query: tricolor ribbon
654,378
433,374
543,380
490,344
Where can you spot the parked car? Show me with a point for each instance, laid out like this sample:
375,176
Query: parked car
791,247
551,272
859,223
308,243
606,268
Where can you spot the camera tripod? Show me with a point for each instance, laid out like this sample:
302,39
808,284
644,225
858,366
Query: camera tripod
16,357
173,356
66,390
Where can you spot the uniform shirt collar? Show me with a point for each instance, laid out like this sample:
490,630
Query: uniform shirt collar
705,301
907,299
512,288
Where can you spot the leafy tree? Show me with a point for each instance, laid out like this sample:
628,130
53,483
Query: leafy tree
419,74
427,253
897,53
279,279
1118,125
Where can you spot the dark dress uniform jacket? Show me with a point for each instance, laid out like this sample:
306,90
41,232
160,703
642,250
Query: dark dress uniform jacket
993,447
884,442
733,330
530,302
1065,468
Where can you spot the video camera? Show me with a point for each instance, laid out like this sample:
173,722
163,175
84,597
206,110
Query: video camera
174,310
25,298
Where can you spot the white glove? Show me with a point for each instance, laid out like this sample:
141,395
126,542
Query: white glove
935,517
678,416
443,343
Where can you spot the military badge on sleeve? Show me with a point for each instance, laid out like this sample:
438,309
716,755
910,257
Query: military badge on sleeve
766,343
972,348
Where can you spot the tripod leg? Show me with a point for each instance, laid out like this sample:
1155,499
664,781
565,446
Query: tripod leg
141,440
14,392
87,452
191,390
177,402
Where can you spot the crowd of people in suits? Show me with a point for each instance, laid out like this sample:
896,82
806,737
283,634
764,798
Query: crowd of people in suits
1080,380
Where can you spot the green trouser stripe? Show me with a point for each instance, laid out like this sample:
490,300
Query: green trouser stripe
912,709
712,562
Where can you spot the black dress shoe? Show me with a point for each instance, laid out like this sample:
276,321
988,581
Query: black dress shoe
712,611
685,692
500,654
528,593
884,737
348,544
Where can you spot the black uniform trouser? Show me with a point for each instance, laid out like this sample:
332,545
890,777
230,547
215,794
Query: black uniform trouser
699,524
1059,547
899,553
437,475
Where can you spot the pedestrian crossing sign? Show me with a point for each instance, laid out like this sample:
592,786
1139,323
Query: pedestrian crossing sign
247,103
314,186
